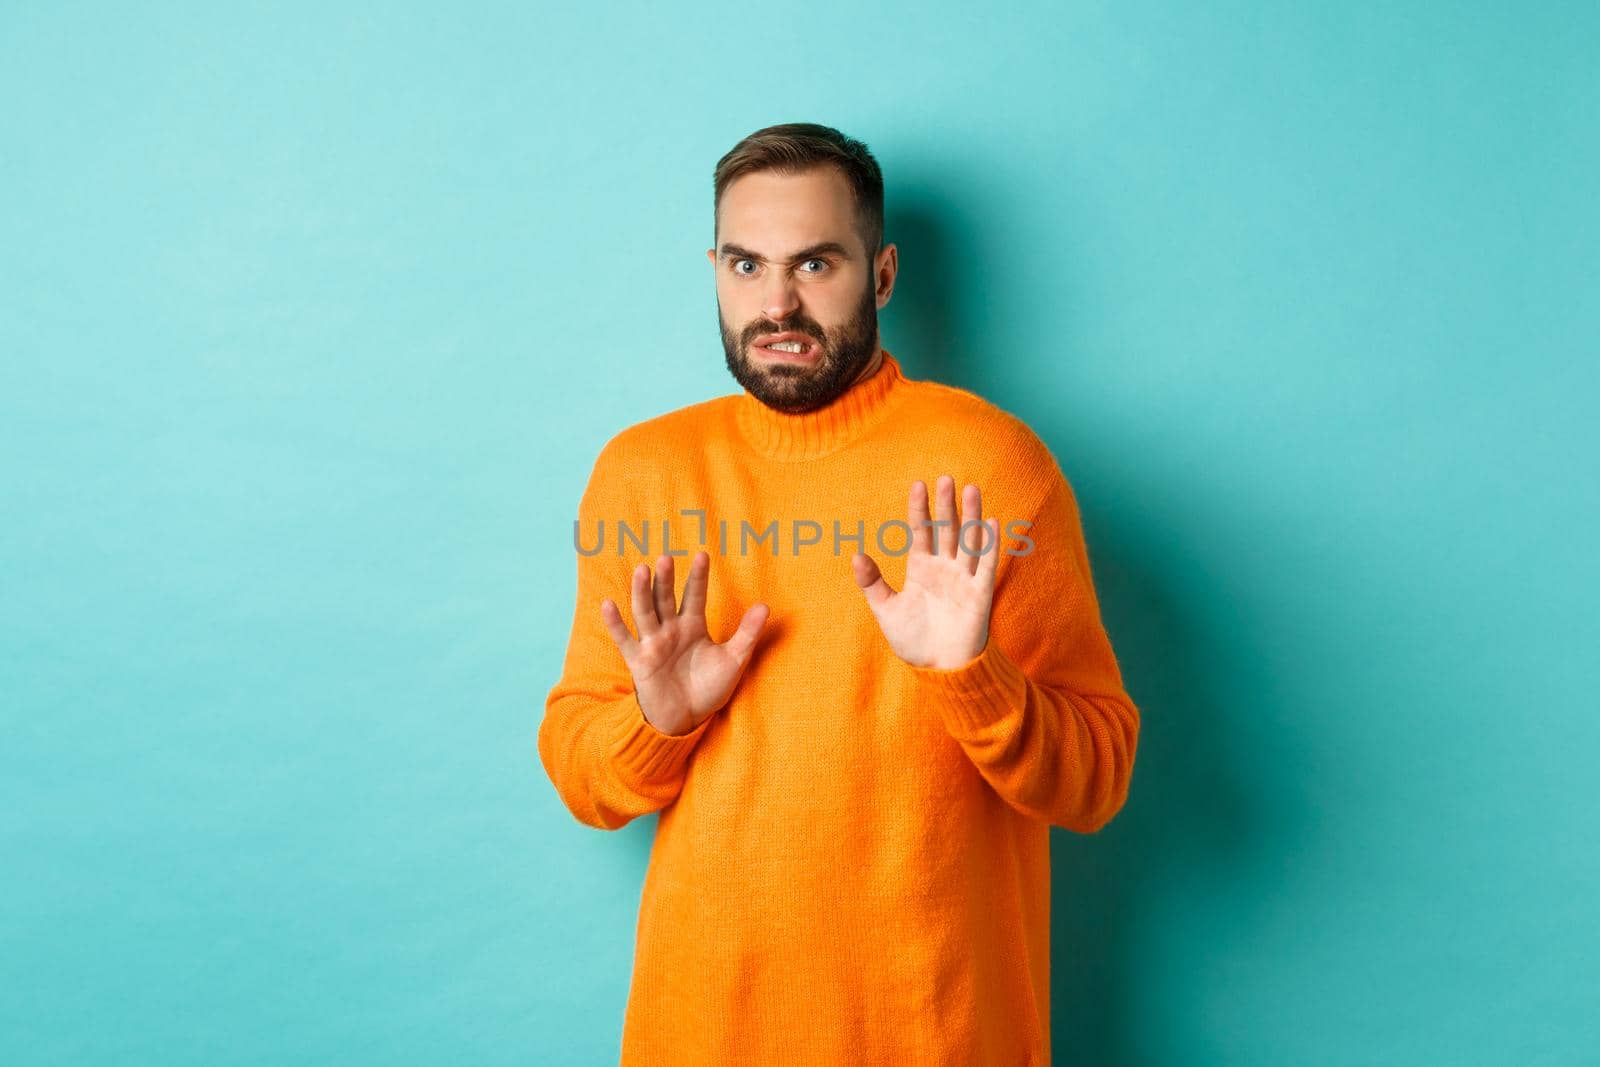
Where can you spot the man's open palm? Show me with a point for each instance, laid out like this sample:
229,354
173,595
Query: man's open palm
941,618
680,675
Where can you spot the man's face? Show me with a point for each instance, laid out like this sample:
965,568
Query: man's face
789,259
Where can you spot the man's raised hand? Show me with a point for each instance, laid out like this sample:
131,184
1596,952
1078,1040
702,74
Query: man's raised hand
941,618
680,675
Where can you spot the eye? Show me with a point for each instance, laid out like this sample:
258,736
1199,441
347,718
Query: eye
822,261
736,263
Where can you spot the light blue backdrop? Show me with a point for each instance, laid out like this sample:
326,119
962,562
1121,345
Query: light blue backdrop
312,321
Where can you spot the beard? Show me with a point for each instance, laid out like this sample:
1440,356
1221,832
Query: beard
796,388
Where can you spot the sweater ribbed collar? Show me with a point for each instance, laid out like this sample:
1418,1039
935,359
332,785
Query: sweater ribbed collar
779,435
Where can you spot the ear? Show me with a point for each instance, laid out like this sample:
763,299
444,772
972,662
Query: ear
886,265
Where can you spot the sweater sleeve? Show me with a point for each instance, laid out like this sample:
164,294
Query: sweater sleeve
609,765
1042,710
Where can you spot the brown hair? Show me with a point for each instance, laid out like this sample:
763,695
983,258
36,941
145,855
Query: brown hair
795,147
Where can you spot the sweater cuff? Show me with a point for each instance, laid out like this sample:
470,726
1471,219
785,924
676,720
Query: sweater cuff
976,695
643,755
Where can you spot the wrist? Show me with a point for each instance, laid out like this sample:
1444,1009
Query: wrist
672,726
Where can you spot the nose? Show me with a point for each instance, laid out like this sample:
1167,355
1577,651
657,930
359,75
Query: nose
779,300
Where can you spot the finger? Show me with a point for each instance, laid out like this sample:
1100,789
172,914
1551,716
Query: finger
944,506
744,638
974,532
644,612
917,517
870,580
666,599
694,590
611,615
990,559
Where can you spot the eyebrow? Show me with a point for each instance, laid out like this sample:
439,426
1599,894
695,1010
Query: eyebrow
732,250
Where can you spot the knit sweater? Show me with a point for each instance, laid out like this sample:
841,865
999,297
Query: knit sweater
851,862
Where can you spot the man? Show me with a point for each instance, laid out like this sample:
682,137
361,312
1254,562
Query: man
855,787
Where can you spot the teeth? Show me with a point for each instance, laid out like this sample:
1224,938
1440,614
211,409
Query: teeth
787,346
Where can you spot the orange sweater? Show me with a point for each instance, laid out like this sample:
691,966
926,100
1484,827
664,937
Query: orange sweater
851,863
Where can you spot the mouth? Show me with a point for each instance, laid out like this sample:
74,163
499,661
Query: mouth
786,348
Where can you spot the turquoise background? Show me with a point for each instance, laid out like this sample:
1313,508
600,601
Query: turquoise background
312,321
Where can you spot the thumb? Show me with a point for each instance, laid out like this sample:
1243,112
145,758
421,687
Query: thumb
870,580
743,640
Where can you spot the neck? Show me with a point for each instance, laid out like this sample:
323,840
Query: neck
871,367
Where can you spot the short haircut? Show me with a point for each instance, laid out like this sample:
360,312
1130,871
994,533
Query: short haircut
796,147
